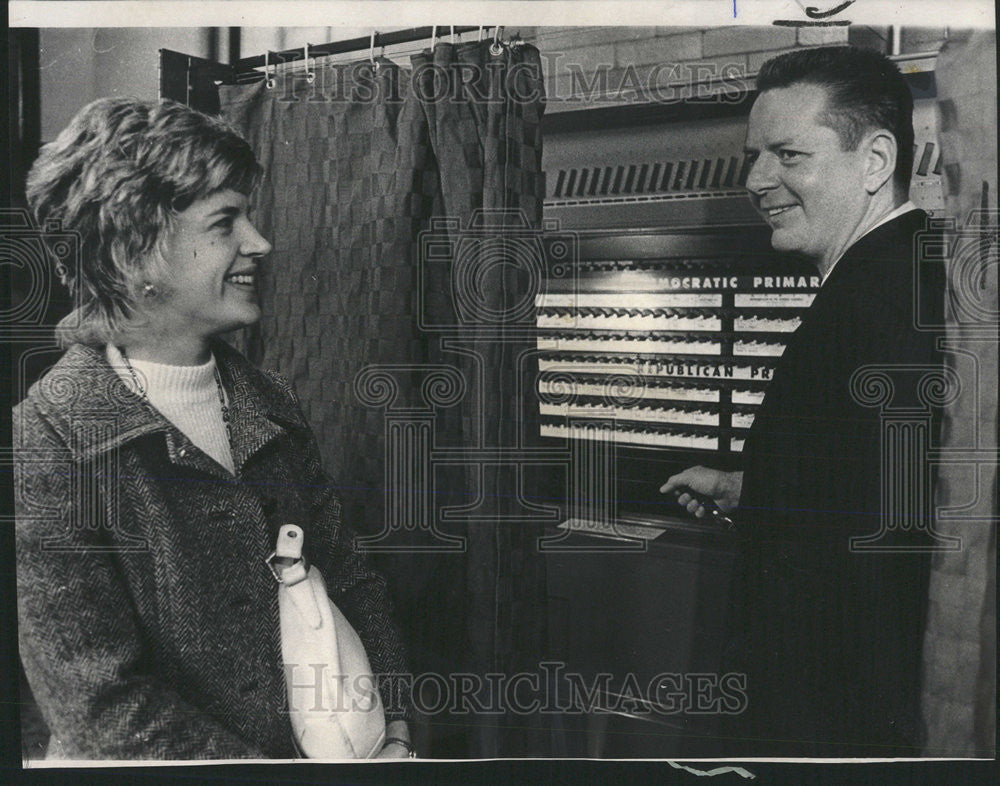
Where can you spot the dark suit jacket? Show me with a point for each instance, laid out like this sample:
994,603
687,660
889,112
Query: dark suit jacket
830,637
148,619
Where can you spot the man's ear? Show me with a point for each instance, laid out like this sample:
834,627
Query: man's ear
880,165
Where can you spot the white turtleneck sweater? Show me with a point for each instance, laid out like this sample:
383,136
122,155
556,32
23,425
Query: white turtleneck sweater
187,396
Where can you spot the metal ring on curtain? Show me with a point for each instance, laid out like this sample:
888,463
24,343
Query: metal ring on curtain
496,48
269,81
371,51
480,33
310,74
434,35
452,34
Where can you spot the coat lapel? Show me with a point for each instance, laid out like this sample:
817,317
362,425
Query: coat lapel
92,410
259,410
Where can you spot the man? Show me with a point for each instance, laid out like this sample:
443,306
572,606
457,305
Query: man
828,635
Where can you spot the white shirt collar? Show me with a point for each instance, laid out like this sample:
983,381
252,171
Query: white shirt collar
906,207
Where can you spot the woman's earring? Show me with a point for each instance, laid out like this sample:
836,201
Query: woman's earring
149,291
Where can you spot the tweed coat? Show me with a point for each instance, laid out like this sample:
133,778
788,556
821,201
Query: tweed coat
148,619
831,635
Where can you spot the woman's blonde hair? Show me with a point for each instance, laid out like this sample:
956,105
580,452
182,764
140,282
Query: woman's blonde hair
117,176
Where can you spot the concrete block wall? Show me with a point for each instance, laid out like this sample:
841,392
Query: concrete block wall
573,56
82,64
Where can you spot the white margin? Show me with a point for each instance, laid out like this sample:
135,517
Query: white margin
360,13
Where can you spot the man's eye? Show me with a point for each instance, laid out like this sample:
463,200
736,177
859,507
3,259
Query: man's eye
788,155
752,157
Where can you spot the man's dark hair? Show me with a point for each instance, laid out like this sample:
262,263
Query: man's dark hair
865,91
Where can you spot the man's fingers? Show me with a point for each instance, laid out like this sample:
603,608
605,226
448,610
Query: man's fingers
672,483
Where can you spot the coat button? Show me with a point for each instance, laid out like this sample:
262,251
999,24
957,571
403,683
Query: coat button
220,515
182,452
248,687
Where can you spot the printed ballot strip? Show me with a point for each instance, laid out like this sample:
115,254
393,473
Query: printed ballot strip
334,705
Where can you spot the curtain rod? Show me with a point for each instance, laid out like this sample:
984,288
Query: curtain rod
407,36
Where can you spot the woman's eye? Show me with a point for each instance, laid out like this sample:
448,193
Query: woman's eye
225,225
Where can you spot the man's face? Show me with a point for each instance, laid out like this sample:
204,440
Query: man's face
810,192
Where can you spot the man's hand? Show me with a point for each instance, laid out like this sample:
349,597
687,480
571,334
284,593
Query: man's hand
722,487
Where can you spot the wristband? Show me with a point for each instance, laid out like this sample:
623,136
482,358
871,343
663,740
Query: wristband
405,743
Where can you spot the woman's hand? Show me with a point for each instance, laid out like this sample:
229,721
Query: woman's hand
397,730
393,750
722,487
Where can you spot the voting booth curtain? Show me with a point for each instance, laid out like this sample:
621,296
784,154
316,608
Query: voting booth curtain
394,330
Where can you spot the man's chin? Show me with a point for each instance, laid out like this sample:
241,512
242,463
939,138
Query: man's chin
784,241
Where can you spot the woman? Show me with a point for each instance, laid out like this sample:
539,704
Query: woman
156,465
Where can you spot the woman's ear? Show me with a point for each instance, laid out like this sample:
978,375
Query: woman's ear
881,164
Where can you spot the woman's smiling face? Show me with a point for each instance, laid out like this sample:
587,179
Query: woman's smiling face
212,254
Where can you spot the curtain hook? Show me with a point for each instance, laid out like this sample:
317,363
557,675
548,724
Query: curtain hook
480,33
434,35
310,74
269,81
371,51
452,34
496,48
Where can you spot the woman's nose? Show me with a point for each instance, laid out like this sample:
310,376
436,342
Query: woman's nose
254,244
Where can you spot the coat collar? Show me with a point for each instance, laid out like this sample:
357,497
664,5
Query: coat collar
890,241
89,407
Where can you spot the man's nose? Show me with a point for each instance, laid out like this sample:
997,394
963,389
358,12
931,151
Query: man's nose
254,244
762,175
